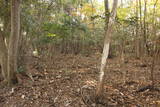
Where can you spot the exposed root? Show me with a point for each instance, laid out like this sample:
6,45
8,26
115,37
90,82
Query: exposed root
149,87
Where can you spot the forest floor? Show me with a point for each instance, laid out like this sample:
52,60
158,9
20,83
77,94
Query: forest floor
70,81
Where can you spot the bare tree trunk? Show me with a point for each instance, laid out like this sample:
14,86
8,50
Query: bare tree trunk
7,22
144,27
108,34
122,51
122,45
13,42
3,56
141,42
155,55
93,24
137,41
106,3
155,47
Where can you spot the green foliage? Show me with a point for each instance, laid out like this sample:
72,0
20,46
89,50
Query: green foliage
64,27
79,21
20,69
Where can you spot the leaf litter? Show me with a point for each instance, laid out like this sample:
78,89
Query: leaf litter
70,81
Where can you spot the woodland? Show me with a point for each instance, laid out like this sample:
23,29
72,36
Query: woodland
79,53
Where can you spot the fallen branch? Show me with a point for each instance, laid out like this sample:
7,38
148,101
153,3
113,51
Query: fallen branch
149,87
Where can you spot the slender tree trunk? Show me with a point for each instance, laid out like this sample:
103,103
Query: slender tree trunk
106,3
108,34
155,48
137,41
141,42
122,45
144,27
93,24
122,50
13,42
7,22
4,41
3,56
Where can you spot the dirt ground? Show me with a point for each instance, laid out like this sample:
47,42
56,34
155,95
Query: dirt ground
70,81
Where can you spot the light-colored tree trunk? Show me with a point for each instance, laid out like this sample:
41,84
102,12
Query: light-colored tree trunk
13,41
108,34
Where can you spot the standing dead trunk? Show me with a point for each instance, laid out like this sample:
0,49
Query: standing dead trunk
13,41
108,33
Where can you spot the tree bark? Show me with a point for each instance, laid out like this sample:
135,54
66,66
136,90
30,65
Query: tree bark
108,34
106,3
144,26
13,41
141,29
3,56
137,41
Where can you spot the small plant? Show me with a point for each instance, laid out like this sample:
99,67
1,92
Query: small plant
20,69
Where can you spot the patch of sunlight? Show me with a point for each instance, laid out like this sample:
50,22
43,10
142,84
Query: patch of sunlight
51,35
24,33
81,70
1,25
65,70
100,1
91,83
35,52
